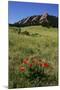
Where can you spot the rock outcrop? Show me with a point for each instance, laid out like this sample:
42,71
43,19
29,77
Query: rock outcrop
45,20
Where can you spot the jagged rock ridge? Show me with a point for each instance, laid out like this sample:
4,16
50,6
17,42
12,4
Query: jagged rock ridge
45,20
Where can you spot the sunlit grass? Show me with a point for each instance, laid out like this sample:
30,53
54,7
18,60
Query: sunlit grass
41,42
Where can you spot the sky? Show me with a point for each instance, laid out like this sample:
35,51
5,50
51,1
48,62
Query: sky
20,10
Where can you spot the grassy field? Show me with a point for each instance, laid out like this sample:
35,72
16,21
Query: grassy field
41,44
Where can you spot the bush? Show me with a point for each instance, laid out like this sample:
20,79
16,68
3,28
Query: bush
26,33
35,34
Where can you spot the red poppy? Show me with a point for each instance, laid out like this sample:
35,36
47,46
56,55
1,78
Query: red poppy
22,69
30,65
46,64
26,61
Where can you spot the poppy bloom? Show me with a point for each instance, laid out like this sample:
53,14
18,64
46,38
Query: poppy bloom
22,69
46,64
30,65
26,61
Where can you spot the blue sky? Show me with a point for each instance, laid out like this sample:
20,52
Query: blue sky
20,10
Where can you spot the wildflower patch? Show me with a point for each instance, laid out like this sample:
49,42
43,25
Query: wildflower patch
33,67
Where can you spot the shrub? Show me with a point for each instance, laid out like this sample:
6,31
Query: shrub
35,34
26,33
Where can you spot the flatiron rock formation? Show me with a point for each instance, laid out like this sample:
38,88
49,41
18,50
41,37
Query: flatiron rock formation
44,20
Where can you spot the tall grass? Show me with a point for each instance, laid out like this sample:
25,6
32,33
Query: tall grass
41,42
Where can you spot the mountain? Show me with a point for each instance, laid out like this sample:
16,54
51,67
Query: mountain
44,20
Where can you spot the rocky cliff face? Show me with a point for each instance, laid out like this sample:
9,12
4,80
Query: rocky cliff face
45,20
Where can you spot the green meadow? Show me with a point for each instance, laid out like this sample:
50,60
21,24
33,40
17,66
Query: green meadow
33,41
